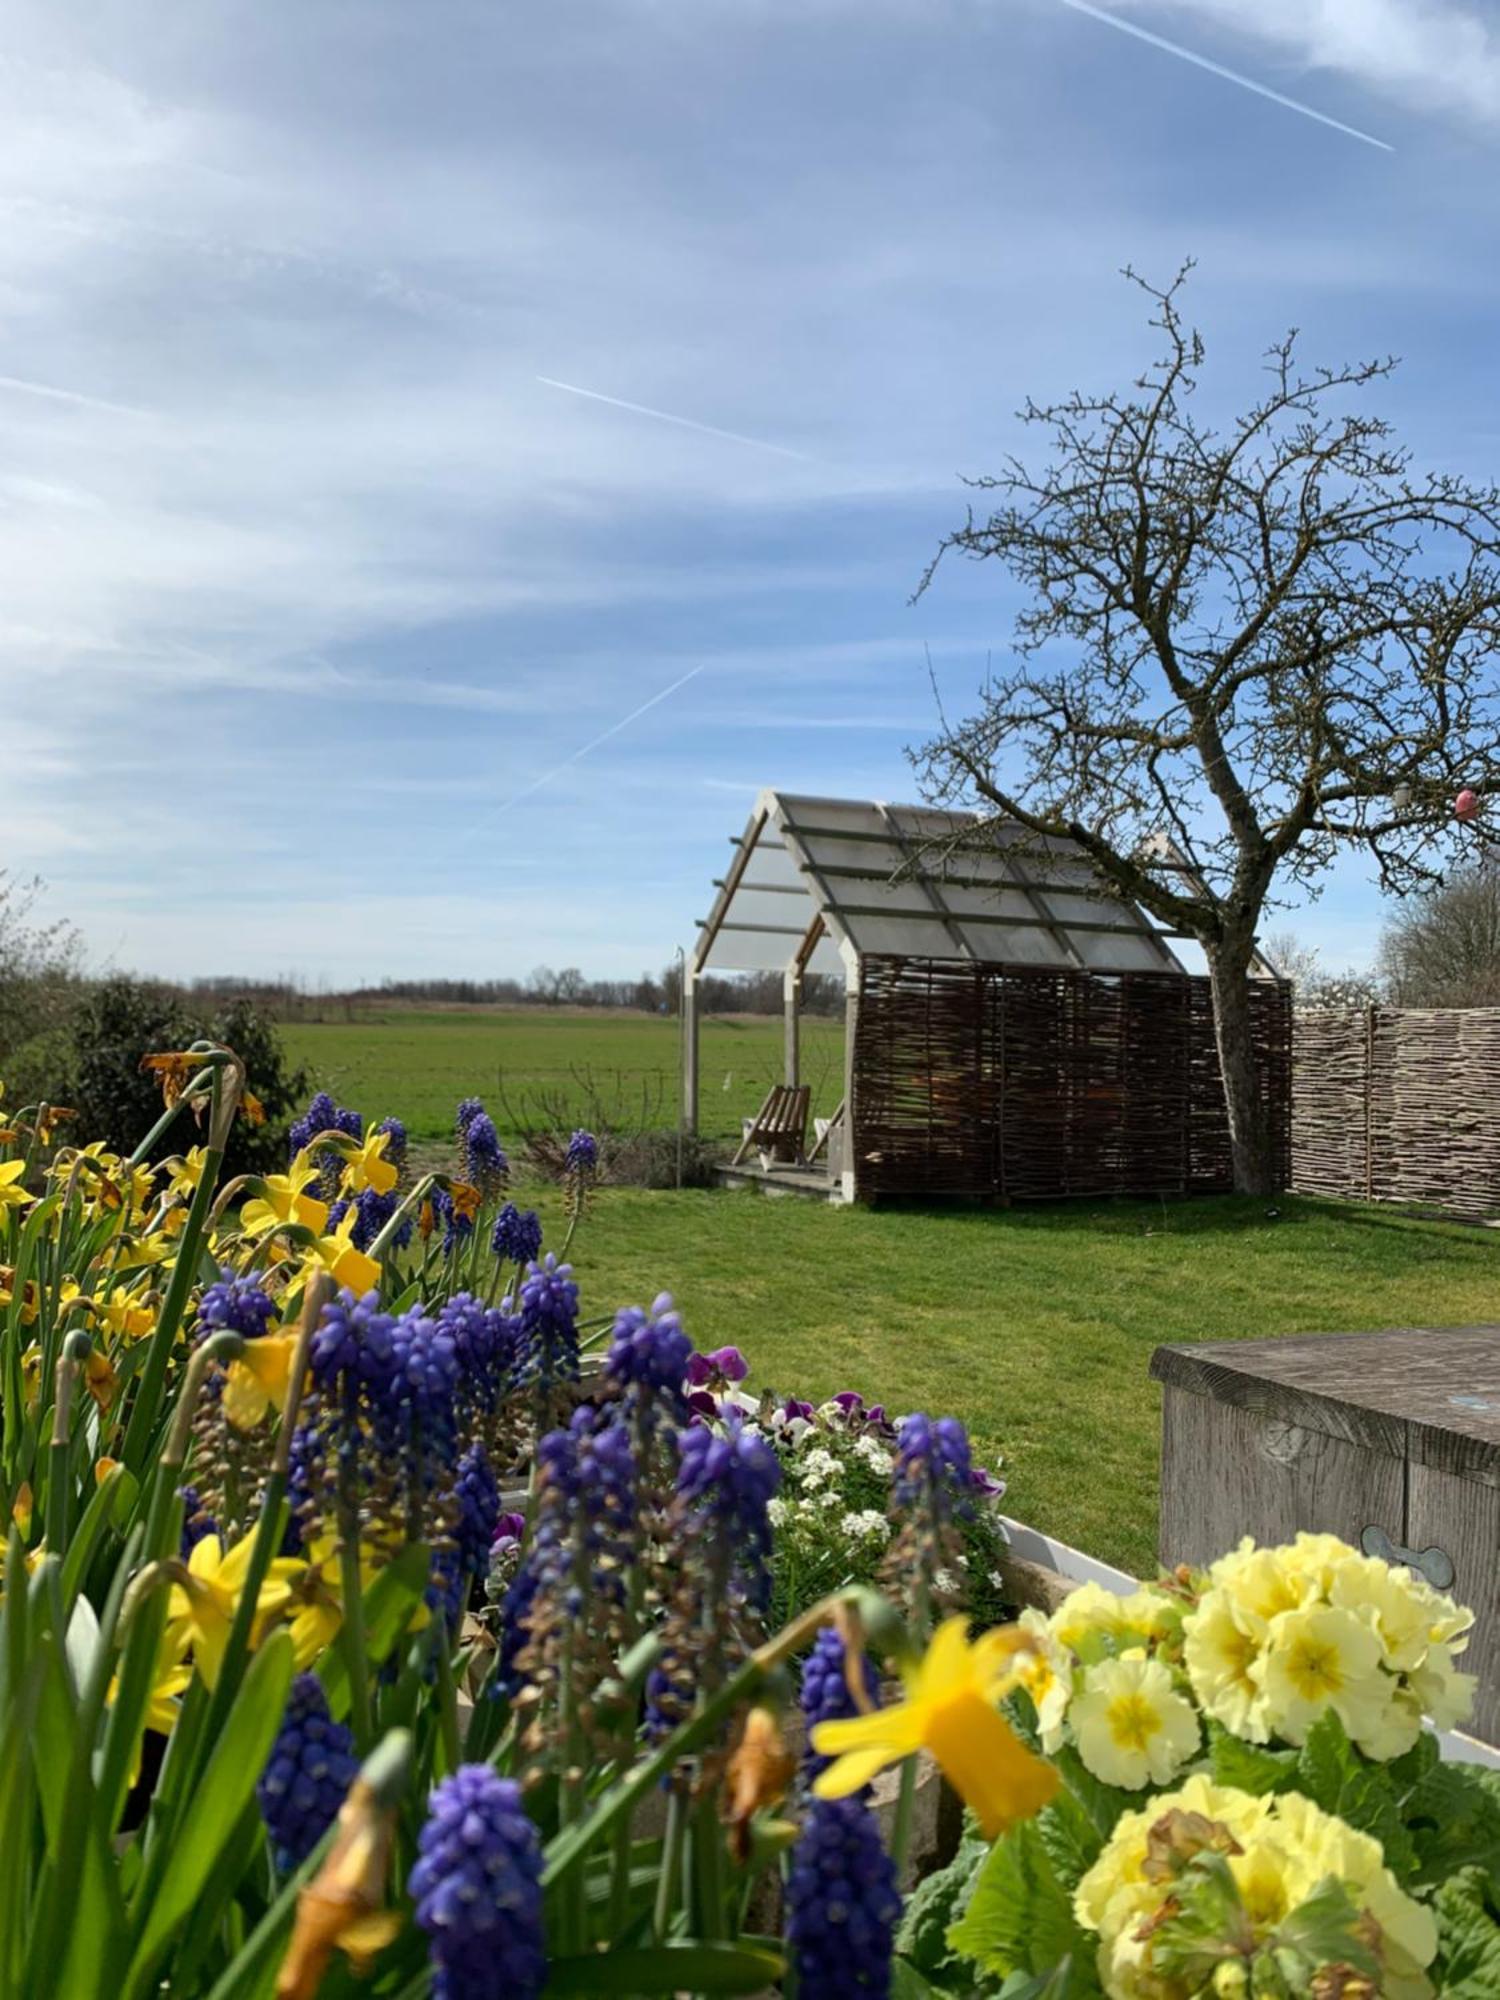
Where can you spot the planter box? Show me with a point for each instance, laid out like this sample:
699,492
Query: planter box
1389,1440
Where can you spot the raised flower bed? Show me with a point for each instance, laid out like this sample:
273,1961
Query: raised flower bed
290,1695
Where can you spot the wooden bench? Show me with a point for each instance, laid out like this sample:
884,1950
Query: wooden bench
779,1129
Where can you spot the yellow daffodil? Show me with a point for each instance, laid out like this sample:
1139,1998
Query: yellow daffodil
347,1265
169,1680
185,1171
20,1508
28,1295
950,1709
124,1314
342,1908
100,1379
251,1109
317,1608
139,1253
366,1166
201,1608
172,1071
103,1467
1130,1724
257,1380
465,1199
31,1375
286,1200
12,1194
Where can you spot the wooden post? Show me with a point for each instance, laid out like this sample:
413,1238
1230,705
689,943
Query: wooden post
851,1036
689,1050
791,992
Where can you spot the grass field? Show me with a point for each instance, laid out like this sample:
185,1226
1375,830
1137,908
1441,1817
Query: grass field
418,1064
1034,1326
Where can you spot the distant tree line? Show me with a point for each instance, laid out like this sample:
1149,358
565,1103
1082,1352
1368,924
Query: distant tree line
544,986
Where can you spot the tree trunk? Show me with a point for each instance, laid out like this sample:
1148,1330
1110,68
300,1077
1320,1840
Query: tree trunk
1249,1127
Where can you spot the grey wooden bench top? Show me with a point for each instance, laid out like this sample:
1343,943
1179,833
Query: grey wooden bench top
1429,1394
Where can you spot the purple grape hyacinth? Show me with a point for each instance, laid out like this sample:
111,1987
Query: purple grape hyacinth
477,1888
843,1905
517,1234
234,1305
311,1766
485,1164
826,1695
650,1349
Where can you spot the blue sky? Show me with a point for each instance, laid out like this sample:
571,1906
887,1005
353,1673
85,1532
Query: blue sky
305,575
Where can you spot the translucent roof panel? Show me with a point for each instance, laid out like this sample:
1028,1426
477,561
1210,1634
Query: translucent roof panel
914,881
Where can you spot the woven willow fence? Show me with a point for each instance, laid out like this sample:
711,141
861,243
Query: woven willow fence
1398,1104
1024,1083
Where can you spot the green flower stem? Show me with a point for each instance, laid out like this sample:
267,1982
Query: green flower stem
453,1754
566,1851
352,1631
77,1347
143,1151
671,1862
906,1804
148,1395
708,1869
413,1200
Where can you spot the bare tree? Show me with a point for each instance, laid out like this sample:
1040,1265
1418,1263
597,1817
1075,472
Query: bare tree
1264,642
1443,949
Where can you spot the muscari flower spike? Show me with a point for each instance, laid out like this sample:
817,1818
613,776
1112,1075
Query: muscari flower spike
469,1108
548,1357
517,1235
933,1492
485,1340
650,1351
826,1694
477,1888
311,1766
234,1305
843,1904
485,1164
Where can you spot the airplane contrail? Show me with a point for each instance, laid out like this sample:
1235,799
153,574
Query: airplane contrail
1219,70
577,756
20,387
666,417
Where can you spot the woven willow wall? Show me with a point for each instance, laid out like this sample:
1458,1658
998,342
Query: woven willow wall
1398,1104
1024,1083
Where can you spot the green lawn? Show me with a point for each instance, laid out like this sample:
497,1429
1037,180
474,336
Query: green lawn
1034,1326
418,1064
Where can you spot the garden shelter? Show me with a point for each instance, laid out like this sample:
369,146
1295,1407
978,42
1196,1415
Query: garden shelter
1013,1028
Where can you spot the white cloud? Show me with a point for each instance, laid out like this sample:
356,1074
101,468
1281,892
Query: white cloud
1429,55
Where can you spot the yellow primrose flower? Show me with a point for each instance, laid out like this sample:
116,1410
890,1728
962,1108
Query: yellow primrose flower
285,1200
950,1709
1046,1673
1130,1724
1223,1662
1406,1614
1324,1846
201,1608
1320,1658
1440,1690
1086,1616
347,1265
12,1194
258,1379
365,1166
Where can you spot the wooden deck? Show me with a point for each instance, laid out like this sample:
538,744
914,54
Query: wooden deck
805,1183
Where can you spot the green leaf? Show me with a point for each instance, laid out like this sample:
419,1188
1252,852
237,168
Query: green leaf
687,1967
1020,1916
1249,1767
1468,1965
1453,1816
1071,1837
936,1904
909,1984
219,1799
1336,1777
109,1508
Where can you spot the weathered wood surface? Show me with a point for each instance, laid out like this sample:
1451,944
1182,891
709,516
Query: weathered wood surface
1462,1517
1229,1471
1016,1082
1398,1104
1431,1394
